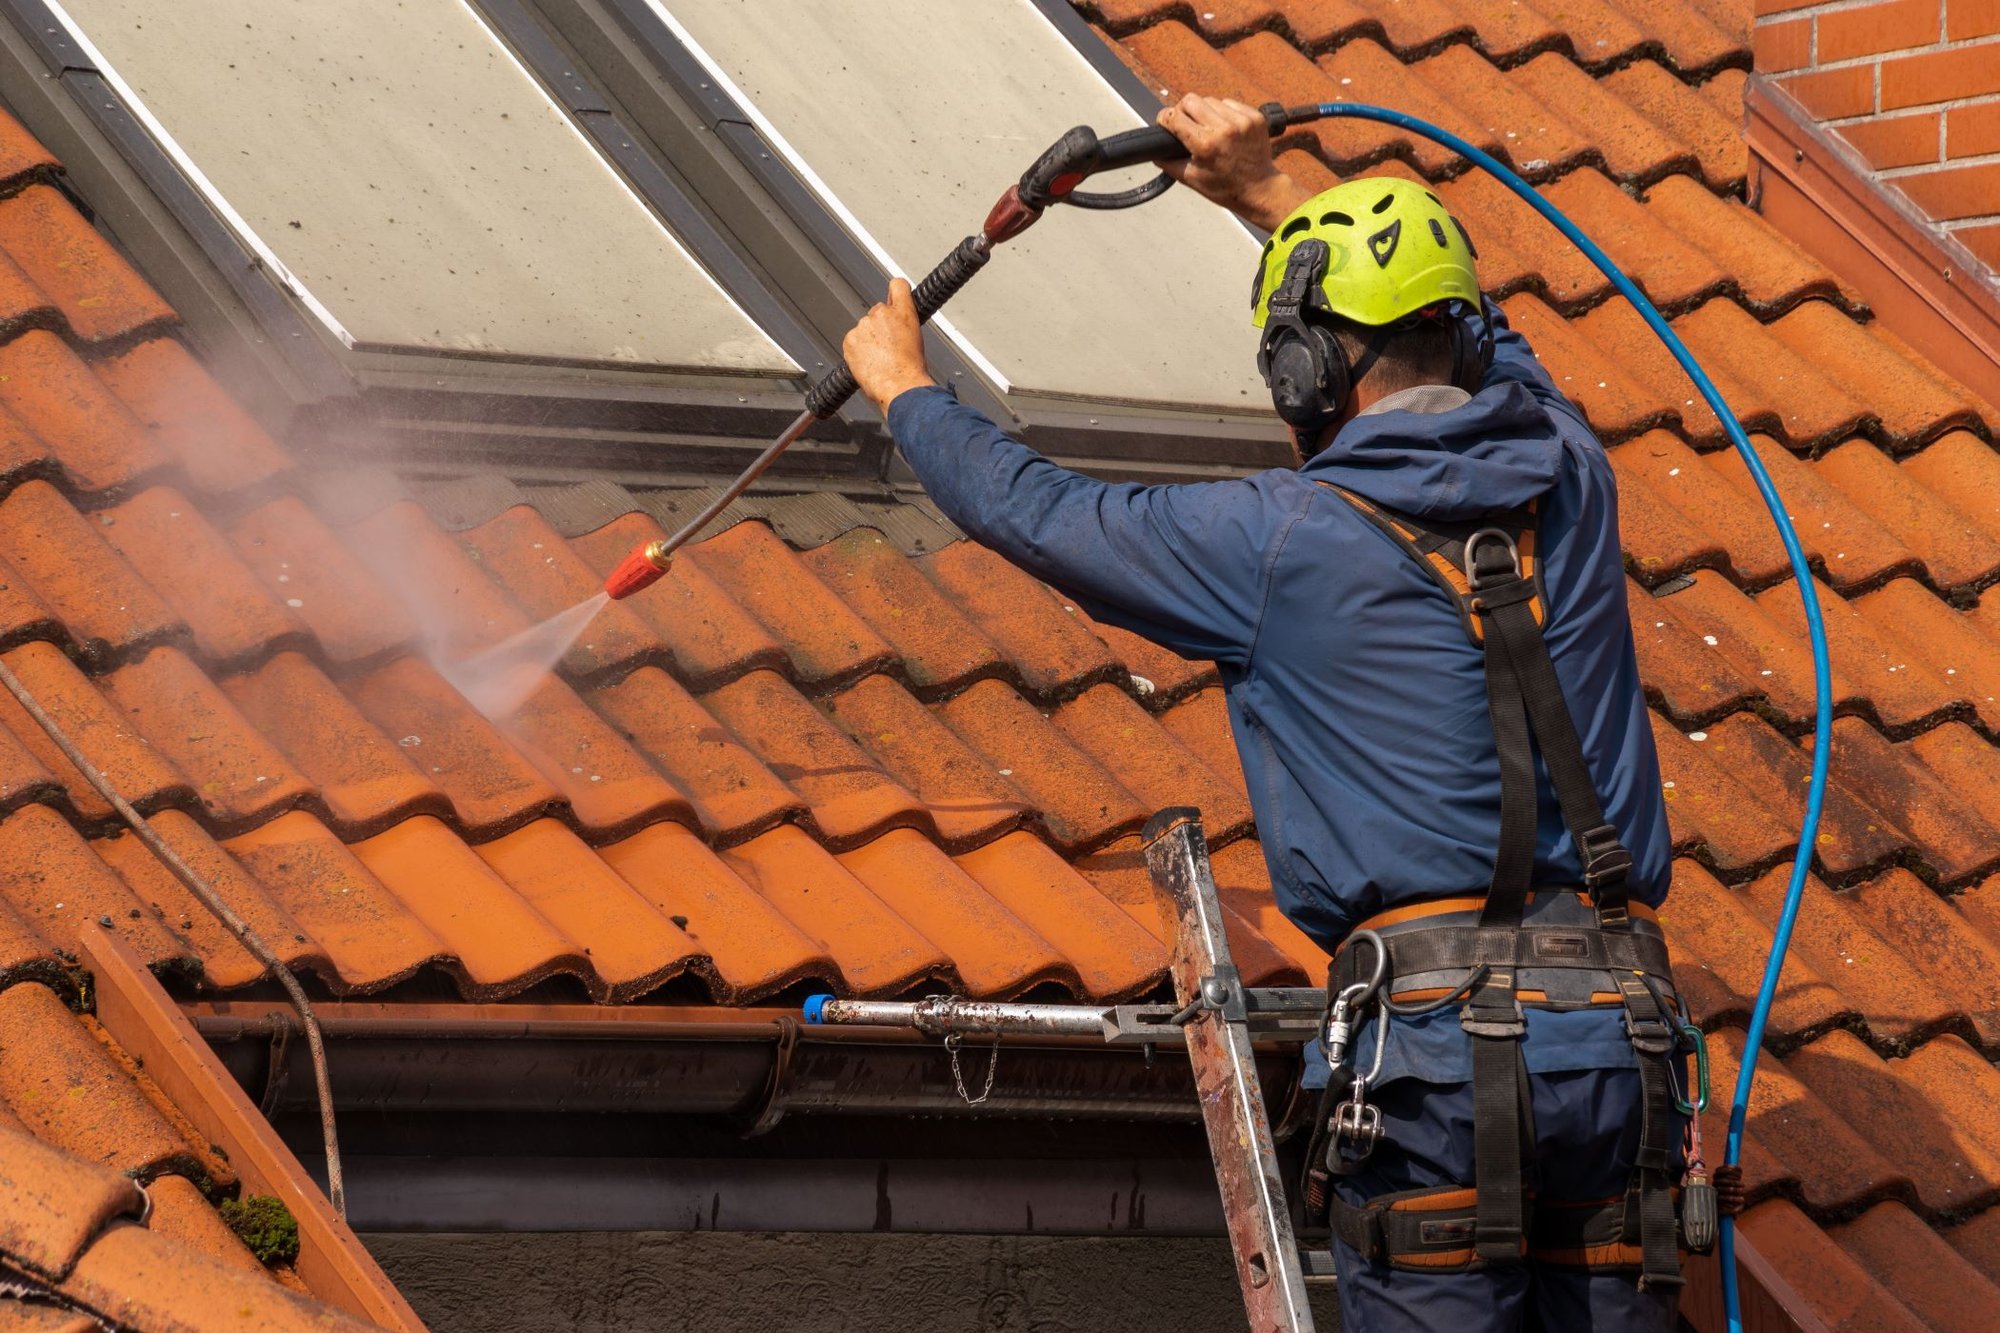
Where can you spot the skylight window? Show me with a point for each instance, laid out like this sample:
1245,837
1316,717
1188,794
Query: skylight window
907,124
413,185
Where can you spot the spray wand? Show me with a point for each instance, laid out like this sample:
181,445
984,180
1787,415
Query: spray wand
1053,179
1077,156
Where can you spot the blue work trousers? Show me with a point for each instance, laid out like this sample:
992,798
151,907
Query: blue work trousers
1586,1138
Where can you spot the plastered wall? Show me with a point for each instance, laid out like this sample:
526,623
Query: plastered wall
677,1282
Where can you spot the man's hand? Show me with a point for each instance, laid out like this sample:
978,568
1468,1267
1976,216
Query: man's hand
886,349
1230,159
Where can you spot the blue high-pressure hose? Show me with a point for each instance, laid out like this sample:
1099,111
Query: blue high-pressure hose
1781,936
1080,153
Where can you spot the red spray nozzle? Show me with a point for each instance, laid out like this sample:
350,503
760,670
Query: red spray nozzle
1010,216
641,569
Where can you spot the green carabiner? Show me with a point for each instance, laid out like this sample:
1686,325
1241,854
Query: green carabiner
1698,1041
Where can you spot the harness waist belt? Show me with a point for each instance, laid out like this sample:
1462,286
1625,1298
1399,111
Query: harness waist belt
1559,953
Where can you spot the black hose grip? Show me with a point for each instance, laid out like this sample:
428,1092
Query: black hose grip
939,285
836,387
1131,198
952,273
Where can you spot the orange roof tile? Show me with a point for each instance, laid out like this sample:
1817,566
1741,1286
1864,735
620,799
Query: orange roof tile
100,1210
143,1279
845,766
51,1203
215,443
70,1091
97,292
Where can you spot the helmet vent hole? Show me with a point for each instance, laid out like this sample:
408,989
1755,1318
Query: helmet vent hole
1335,219
1437,230
1433,198
1294,227
1382,204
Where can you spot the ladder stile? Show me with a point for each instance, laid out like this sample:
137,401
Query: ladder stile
1217,1032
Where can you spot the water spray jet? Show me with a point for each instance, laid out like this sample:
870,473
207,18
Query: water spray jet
498,680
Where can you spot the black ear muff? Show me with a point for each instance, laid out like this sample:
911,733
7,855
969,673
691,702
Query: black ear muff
1301,361
1471,346
1307,375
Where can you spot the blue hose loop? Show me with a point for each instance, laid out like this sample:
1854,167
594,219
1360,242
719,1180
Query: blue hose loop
1781,936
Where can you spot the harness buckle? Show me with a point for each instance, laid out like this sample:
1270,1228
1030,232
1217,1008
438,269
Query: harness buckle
1492,1021
1475,577
1605,859
1651,1036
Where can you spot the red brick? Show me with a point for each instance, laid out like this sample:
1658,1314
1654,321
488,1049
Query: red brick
1970,131
1833,93
1895,141
1937,76
1954,192
1971,18
1782,46
1765,8
1873,29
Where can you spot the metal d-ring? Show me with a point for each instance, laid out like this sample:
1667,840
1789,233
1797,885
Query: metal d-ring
1472,578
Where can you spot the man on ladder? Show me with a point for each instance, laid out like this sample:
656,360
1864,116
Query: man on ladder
1422,631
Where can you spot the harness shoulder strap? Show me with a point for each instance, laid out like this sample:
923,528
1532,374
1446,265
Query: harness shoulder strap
1490,572
1439,549
1489,569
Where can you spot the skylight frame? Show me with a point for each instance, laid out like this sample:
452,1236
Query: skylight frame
759,313
1174,383
663,83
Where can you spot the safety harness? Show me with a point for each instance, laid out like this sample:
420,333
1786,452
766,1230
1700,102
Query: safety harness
1581,946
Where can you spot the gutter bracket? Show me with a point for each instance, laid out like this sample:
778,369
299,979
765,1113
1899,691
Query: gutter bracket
762,1115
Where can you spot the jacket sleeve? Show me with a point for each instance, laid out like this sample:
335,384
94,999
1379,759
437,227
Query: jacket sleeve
1184,566
1514,362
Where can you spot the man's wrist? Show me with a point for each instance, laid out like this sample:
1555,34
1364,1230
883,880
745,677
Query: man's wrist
1266,201
899,386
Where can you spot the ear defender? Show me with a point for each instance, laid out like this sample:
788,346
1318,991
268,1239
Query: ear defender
1302,362
1471,346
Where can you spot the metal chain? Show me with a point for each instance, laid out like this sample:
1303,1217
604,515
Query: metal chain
951,1045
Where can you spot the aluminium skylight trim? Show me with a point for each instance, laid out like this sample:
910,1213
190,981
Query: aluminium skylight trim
823,192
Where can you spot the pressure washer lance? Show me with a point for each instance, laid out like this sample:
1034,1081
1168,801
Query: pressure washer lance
1053,179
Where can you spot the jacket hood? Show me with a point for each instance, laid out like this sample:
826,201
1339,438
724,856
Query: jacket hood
1497,451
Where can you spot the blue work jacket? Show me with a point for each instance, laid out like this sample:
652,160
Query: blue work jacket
1357,701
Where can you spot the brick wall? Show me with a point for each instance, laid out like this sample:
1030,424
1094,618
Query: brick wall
1913,85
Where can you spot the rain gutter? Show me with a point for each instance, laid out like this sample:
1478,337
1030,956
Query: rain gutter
557,1117
755,1064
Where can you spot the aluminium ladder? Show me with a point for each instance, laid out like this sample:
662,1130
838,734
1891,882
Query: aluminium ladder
1218,1018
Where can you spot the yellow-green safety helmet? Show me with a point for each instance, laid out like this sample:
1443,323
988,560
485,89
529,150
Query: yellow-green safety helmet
1393,249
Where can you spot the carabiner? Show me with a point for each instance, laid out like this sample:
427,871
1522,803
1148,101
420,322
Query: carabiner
1698,1043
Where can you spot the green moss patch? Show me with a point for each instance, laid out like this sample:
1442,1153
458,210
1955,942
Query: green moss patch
265,1225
